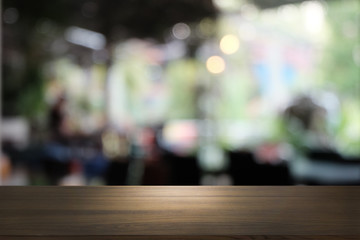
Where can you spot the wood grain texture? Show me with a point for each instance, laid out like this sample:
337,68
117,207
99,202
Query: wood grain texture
170,237
199,212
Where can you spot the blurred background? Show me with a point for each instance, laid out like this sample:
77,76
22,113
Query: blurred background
181,92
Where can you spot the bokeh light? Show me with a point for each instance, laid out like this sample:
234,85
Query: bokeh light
229,44
215,64
181,31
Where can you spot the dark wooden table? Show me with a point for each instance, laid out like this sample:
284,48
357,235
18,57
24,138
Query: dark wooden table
178,212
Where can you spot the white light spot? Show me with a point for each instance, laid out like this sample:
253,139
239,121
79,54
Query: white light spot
181,31
86,38
229,44
314,15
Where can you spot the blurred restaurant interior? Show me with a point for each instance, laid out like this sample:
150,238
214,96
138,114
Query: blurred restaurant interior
180,92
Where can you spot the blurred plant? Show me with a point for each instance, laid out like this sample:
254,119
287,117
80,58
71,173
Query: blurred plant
340,68
340,64
348,131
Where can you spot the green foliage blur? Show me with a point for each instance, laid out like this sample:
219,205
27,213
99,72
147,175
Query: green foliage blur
340,69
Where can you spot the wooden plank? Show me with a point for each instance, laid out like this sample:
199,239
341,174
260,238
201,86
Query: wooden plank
183,191
179,211
198,237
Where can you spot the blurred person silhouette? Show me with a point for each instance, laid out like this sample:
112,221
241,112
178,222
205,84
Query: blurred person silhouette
57,155
116,148
5,167
316,159
58,120
306,123
156,170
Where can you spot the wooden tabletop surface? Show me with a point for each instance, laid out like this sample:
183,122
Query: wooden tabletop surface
179,212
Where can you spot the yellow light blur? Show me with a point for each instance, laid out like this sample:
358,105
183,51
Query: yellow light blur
215,64
229,44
